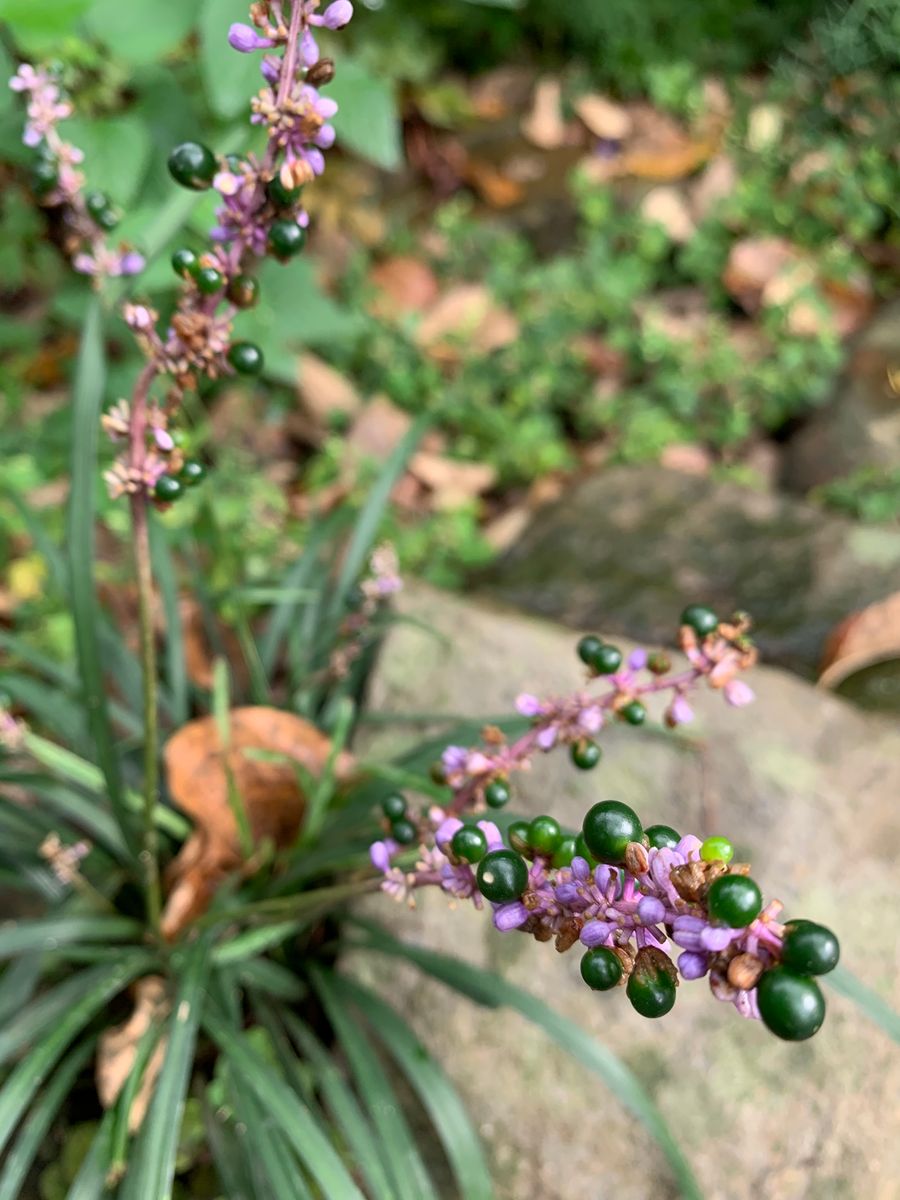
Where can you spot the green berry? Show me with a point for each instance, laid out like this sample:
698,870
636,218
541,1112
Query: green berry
662,836
792,1006
608,828
651,984
601,969
44,176
193,472
243,291
583,851
517,836
701,619
99,207
633,712
193,165
208,280
469,843
502,876
184,261
565,852
587,648
246,358
281,196
108,219
585,754
497,793
286,239
734,900
717,849
168,488
600,657
809,948
544,835
394,806
404,831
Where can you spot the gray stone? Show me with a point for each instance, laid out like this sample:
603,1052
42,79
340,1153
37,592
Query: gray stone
860,427
806,787
627,548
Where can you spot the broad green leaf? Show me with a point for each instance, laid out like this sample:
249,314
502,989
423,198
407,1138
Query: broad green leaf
875,1007
141,41
34,26
491,989
152,1167
230,78
116,153
402,1157
441,1100
24,937
368,120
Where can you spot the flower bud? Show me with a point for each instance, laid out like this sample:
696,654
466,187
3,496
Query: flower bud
245,39
338,14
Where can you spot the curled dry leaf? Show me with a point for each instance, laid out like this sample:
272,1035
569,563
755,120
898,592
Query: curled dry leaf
466,311
493,184
603,117
544,126
117,1050
269,788
864,639
666,206
324,391
403,284
378,429
451,482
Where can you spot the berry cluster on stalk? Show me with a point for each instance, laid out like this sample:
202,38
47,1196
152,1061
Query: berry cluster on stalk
648,906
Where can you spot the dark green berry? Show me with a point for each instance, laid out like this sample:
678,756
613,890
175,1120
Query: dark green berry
734,900
286,239
662,836
792,1006
108,219
585,754
517,836
544,835
243,291
601,969
587,648
99,207
394,806
469,843
246,358
603,659
192,472
809,948
281,196
404,831
608,828
651,984
184,261
633,712
438,773
496,794
168,488
193,165
208,280
44,176
565,852
583,850
701,619
502,876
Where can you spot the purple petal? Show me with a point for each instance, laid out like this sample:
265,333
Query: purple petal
528,705
271,68
680,712
737,693
132,263
445,831
326,107
380,857
245,39
546,739
309,51
338,14
581,868
651,911
510,916
604,876
595,933
689,846
693,965
717,937
492,833
566,893
637,659
325,137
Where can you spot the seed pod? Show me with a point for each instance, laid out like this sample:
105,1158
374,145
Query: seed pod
321,72
744,971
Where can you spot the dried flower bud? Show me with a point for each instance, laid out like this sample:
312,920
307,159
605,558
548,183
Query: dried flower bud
744,971
321,72
637,860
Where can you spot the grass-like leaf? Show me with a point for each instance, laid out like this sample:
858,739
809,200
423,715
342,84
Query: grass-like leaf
166,578
90,1182
72,813
868,1001
478,983
273,1164
24,937
17,984
33,1019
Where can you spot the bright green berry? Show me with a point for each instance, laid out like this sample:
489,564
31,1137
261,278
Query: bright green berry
662,836
208,280
809,948
243,291
651,984
517,836
404,831
394,806
792,1006
544,835
286,239
608,828
701,619
469,843
585,754
601,969
192,472
734,900
497,793
168,488
281,196
184,261
565,852
193,165
717,849
633,712
502,876
246,358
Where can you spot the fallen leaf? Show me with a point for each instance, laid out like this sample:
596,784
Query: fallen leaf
494,186
403,284
498,93
603,117
864,639
270,791
716,184
466,311
378,429
118,1046
753,264
451,482
666,206
544,125
661,149
324,391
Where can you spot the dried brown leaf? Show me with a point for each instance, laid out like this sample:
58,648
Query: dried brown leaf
666,206
466,311
603,117
378,429
863,639
451,482
544,125
118,1046
404,284
324,391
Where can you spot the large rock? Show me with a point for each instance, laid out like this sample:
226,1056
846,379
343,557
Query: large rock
627,548
860,427
806,787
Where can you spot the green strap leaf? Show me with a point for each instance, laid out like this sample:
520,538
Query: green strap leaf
272,1161
17,985
23,937
90,1182
488,987
846,984
31,1021
166,578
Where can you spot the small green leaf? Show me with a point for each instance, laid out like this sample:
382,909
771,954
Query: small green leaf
36,27
875,1007
368,121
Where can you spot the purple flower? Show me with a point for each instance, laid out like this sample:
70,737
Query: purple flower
686,932
309,51
492,833
595,933
528,705
692,964
737,693
271,69
651,911
245,39
454,759
510,916
338,14
380,854
637,659
445,831
679,711
717,937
